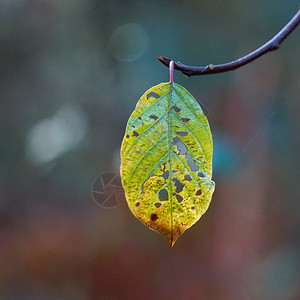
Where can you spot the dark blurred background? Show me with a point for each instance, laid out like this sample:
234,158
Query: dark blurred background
71,73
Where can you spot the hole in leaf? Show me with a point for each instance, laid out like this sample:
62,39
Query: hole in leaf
177,109
157,205
191,162
179,198
178,185
138,152
152,94
139,118
165,175
185,120
180,145
187,177
163,195
182,133
200,174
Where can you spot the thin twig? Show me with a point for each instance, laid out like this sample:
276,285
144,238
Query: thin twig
271,45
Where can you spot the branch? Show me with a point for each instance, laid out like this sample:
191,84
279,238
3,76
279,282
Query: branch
271,45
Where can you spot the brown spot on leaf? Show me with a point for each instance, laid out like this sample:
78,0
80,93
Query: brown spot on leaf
133,126
164,166
153,117
177,109
153,217
182,133
174,171
157,205
127,135
139,118
137,204
199,192
185,120
200,174
193,207
179,198
152,94
187,177
163,195
135,133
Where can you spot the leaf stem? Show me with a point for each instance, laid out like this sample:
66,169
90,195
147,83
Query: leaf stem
271,45
171,69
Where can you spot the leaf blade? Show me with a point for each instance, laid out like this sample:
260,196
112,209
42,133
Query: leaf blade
166,160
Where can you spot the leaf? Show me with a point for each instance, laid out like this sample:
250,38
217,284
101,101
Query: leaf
166,161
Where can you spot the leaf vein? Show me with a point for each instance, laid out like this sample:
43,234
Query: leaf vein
192,111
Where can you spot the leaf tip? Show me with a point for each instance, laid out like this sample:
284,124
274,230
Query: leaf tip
172,239
171,243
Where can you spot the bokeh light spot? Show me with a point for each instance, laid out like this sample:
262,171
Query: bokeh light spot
128,43
51,137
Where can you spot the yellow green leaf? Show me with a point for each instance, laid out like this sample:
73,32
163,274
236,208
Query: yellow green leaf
166,161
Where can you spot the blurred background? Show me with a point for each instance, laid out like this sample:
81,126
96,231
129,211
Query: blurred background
71,74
